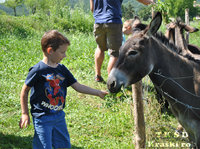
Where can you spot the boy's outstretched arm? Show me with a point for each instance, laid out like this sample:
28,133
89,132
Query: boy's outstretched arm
88,90
25,119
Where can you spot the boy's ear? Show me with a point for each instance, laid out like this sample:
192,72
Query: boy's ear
49,50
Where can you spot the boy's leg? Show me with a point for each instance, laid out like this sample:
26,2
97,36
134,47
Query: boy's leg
61,138
43,134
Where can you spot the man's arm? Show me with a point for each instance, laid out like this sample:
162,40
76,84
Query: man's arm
92,5
146,2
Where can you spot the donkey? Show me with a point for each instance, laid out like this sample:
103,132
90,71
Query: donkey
137,25
175,33
176,77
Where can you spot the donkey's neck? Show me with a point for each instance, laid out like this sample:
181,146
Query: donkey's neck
175,78
169,68
180,40
169,61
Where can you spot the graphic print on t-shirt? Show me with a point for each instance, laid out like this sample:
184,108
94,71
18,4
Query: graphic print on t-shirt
53,90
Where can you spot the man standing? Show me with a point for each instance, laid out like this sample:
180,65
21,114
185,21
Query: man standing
107,31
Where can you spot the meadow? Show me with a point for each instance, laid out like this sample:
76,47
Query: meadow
92,122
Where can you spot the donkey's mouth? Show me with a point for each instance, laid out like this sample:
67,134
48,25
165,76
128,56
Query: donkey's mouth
114,87
116,80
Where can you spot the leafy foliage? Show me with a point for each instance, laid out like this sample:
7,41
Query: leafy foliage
73,20
128,11
130,8
162,7
13,4
145,13
177,8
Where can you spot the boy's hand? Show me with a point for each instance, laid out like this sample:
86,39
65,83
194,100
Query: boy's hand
102,94
24,121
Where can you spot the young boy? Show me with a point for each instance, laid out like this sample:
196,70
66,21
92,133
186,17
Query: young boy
127,27
48,81
130,26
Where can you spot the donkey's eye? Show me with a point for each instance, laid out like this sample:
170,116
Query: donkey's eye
132,53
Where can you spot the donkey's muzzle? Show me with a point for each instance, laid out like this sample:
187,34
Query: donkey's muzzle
112,85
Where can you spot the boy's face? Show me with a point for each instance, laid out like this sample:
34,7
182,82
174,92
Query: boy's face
59,54
126,29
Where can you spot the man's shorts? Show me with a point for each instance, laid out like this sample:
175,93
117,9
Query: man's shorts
108,37
51,130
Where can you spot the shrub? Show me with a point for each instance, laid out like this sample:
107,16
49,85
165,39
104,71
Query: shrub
15,26
23,26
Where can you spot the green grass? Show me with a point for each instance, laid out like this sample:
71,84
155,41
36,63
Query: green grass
92,122
86,115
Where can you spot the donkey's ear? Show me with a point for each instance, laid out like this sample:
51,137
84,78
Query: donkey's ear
154,24
136,21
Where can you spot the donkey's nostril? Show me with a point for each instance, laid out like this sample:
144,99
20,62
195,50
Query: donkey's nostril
113,84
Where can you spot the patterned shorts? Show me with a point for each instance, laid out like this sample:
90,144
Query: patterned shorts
108,37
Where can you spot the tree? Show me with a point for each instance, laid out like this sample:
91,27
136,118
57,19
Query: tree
32,5
162,7
57,7
13,4
177,8
128,11
44,5
145,13
38,5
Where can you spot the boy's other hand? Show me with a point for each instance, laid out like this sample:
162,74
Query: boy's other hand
24,121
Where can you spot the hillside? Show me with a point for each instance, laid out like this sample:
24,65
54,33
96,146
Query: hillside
21,10
84,4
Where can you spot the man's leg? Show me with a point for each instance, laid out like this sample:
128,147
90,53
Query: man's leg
100,37
99,57
111,63
114,41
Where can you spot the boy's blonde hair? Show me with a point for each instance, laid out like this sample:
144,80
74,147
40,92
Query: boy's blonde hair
129,22
53,39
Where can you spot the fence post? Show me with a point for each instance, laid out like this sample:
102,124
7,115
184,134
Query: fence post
138,113
187,22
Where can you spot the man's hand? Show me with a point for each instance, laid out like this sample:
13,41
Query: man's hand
146,2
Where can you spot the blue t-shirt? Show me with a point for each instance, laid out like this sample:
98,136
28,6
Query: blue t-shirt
107,11
48,88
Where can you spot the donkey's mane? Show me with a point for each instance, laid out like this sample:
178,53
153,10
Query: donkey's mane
161,37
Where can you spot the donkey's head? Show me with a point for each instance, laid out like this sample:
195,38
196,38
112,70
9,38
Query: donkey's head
175,31
135,60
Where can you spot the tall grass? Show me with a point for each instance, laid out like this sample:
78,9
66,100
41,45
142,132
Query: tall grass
72,20
92,122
